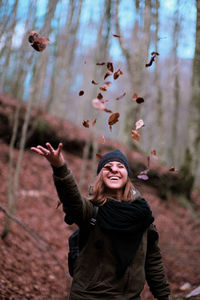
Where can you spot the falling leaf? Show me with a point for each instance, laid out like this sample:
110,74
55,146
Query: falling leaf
99,96
110,67
110,126
172,169
143,175
99,156
37,41
81,93
107,74
94,122
94,82
139,100
139,124
103,89
120,97
135,135
153,55
100,63
113,118
86,123
98,104
108,110
117,74
116,35
107,84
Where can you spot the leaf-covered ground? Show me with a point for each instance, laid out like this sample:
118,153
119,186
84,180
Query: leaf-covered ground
37,269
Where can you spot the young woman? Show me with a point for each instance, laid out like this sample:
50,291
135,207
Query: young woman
121,251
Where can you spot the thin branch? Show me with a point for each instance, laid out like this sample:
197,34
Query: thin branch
42,244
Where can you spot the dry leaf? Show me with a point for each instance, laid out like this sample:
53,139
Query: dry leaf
120,97
139,124
94,82
139,100
37,41
107,74
99,96
100,63
153,55
103,89
116,35
107,84
94,122
98,104
117,73
135,135
81,93
110,67
108,110
86,123
113,118
143,175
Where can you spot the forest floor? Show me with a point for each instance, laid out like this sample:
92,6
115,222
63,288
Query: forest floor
36,267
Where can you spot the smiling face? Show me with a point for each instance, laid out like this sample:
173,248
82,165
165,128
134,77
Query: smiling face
114,175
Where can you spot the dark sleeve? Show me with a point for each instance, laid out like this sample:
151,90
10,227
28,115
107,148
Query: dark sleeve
77,208
154,269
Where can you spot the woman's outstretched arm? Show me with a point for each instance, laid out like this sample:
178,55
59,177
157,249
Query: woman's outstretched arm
76,207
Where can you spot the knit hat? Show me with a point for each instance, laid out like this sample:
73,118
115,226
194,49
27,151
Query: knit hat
115,155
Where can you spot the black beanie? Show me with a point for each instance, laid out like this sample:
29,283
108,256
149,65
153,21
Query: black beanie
115,155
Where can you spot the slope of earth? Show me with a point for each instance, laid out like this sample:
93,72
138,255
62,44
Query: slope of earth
37,268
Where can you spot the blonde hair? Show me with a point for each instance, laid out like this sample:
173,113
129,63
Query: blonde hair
100,192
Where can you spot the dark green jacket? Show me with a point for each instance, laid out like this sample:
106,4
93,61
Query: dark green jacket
95,269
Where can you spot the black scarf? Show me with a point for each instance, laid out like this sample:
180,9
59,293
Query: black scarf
125,223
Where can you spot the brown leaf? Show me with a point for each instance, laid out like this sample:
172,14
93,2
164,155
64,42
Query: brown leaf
107,110
110,66
121,96
99,96
86,123
139,124
143,175
100,63
103,89
135,135
99,156
107,84
139,100
117,73
153,152
94,82
94,122
37,41
113,118
107,74
116,35
110,126
153,55
81,93
98,104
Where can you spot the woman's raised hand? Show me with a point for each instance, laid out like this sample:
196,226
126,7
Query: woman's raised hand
54,156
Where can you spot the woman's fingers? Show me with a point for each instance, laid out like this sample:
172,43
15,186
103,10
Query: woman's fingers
51,149
37,150
60,148
43,150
